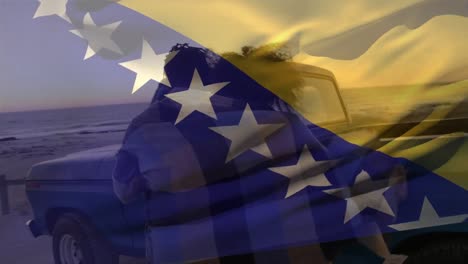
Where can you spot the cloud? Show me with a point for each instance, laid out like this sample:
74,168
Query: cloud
355,42
431,53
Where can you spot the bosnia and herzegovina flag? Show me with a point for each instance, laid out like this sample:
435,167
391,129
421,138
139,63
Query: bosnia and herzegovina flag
265,173
409,54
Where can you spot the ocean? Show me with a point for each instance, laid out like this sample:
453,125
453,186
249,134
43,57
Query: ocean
367,105
80,121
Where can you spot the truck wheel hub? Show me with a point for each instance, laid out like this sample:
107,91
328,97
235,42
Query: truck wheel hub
70,251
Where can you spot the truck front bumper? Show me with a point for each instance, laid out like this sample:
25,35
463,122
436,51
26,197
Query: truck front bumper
34,228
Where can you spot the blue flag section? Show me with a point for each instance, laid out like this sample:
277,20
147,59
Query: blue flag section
244,177
226,166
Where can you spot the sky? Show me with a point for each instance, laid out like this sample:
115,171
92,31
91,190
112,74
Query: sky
228,25
365,43
42,63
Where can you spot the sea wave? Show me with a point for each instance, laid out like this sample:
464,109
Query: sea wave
113,123
3,139
71,121
101,128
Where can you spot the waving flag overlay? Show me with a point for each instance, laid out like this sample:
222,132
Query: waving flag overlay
240,168
407,53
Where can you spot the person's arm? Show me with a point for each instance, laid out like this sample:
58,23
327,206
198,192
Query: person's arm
127,179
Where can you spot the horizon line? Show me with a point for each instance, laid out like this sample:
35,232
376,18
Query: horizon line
70,107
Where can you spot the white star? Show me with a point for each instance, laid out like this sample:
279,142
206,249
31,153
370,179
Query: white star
372,199
428,218
196,97
149,67
52,7
301,174
98,37
247,135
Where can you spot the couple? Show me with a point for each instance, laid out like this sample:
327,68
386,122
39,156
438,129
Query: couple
215,158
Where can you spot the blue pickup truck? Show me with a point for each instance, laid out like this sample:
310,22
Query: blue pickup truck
73,199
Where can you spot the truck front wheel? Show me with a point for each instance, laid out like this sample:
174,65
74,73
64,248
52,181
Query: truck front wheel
75,241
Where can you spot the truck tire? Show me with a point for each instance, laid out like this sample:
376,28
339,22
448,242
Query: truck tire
75,241
453,251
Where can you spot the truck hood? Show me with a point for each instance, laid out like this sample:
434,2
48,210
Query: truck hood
93,164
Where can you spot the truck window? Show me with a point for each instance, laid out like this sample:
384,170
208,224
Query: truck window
320,102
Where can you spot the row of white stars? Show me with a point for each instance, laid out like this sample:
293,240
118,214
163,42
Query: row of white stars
248,134
150,66
300,177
